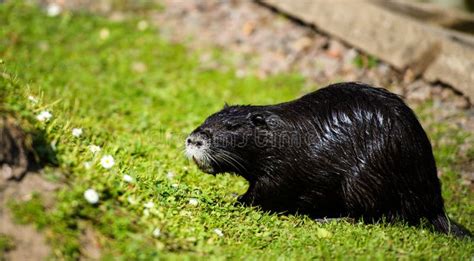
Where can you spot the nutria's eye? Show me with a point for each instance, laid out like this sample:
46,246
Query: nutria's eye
232,125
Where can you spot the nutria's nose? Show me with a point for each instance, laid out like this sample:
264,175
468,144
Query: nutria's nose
195,140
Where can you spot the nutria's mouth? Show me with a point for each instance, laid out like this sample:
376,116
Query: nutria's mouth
204,167
197,149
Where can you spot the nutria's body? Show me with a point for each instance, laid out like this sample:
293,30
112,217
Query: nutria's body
347,150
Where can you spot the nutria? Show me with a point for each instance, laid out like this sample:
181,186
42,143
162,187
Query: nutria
347,150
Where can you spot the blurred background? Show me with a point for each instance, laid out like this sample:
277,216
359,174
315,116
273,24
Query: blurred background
97,96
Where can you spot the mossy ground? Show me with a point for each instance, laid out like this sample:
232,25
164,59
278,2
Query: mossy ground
137,96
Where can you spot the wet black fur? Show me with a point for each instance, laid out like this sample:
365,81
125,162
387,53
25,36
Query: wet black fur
347,150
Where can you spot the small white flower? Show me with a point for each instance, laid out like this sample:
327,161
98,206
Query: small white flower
132,200
218,232
146,212
87,165
94,149
91,196
156,232
142,25
107,161
33,99
127,178
53,145
170,175
174,185
149,204
44,116
76,132
53,10
104,33
193,202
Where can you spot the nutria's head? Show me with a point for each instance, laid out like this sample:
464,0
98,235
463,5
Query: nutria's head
232,139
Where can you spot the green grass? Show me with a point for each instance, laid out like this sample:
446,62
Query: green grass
362,61
137,96
6,244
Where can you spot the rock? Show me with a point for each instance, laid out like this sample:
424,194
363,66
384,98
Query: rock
436,53
419,91
301,44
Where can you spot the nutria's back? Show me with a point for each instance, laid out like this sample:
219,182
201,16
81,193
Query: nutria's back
374,141
345,150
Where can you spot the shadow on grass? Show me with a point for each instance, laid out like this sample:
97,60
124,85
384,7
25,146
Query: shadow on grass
22,152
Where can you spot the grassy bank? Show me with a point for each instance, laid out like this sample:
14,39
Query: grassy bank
136,96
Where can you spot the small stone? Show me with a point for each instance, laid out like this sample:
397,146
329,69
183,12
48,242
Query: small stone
248,28
335,49
409,76
301,44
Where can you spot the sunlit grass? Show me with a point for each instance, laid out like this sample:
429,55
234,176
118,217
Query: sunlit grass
137,96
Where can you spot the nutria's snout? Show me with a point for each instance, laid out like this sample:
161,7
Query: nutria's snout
198,149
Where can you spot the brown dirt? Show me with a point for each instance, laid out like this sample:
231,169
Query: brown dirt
90,245
29,243
20,179
17,183
15,156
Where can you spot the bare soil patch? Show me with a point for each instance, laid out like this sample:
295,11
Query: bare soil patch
29,244
19,183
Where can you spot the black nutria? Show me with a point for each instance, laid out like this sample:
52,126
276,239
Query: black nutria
347,150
